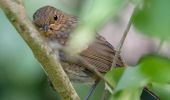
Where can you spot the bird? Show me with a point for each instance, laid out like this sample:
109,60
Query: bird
56,28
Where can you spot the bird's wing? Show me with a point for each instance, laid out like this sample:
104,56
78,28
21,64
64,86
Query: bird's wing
100,54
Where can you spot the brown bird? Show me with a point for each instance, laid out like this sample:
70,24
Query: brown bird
56,27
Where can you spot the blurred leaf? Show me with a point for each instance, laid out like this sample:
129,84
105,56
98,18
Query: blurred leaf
137,2
128,83
162,90
92,17
156,68
154,18
97,12
114,75
132,79
127,94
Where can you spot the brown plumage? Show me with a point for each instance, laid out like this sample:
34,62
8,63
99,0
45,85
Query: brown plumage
56,26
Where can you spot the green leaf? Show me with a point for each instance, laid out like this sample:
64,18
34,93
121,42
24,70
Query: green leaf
156,68
137,2
128,83
96,12
114,75
127,94
92,18
132,79
154,18
162,90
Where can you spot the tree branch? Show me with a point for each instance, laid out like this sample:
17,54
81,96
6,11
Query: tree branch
119,47
158,49
15,12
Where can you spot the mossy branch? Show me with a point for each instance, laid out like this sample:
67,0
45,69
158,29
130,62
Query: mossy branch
15,12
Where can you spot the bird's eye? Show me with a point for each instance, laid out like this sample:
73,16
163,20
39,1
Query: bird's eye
55,17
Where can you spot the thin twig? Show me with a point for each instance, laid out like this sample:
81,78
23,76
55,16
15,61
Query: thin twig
105,94
80,59
15,12
93,69
119,47
160,46
122,42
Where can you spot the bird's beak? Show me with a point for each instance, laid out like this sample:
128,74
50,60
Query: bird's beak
45,27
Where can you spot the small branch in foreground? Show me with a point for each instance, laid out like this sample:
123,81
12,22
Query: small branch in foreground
93,69
87,65
159,46
15,12
119,47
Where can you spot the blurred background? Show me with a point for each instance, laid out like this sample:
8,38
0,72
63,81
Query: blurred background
22,77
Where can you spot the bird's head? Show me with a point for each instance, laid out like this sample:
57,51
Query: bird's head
49,19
